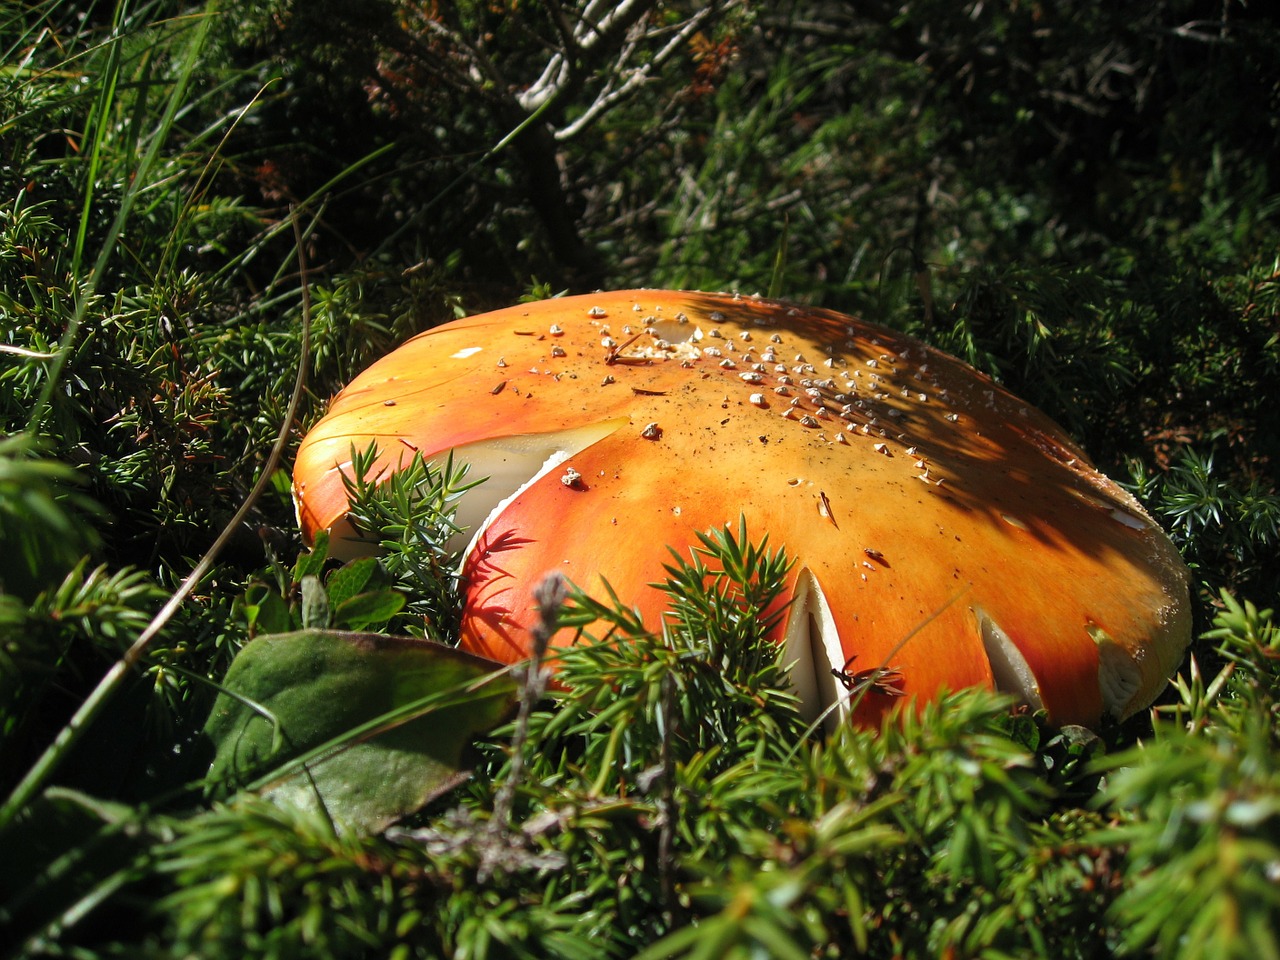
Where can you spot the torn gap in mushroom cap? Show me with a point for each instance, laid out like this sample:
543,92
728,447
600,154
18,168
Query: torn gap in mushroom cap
510,466
507,466
1009,669
1119,676
811,651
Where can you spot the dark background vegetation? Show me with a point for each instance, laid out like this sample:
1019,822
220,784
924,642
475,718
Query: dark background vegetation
1082,199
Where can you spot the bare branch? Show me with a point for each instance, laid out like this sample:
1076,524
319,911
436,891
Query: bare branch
1196,30
598,26
641,75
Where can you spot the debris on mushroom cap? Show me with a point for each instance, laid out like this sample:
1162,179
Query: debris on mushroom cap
940,527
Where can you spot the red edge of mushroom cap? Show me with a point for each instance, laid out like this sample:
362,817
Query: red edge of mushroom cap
917,497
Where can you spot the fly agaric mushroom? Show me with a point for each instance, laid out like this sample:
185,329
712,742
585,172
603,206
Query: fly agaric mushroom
920,500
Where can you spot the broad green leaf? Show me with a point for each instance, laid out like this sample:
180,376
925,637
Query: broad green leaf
356,577
312,563
316,613
368,727
368,611
265,610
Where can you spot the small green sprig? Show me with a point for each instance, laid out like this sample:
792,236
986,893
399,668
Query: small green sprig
410,517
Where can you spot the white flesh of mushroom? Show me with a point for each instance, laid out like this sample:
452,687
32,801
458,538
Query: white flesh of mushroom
1118,675
812,651
511,467
1009,668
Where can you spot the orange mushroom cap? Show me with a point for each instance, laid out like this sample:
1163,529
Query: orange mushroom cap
919,499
